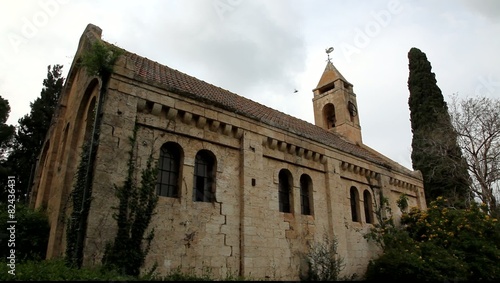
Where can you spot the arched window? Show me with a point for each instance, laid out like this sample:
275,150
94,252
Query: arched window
353,111
285,190
204,177
354,195
306,203
367,200
329,115
169,170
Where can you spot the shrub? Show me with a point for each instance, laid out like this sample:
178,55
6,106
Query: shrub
57,270
31,232
323,262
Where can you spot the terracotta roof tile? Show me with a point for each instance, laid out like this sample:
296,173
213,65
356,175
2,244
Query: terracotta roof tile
176,81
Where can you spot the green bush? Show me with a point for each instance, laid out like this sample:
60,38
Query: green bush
441,243
323,261
56,270
31,232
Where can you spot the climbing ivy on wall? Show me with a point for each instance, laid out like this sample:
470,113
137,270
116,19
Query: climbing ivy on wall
74,254
99,61
134,212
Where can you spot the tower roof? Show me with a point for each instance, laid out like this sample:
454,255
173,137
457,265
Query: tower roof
330,74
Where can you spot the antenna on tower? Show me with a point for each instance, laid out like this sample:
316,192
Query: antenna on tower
328,51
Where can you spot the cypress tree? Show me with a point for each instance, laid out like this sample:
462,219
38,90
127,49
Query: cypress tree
435,151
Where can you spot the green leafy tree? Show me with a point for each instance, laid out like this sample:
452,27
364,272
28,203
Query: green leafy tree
435,151
6,135
439,244
6,131
32,129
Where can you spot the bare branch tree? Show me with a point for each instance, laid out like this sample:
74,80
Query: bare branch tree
477,122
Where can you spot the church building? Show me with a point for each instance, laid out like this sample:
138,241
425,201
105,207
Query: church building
243,189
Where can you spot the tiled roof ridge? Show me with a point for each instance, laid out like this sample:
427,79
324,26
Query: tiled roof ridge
184,84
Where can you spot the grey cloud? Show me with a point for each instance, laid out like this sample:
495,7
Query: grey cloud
487,8
251,45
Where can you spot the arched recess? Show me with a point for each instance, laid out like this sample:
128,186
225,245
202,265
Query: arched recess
78,116
82,127
71,85
63,147
329,116
43,190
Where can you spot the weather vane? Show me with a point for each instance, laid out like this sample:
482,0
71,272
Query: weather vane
328,51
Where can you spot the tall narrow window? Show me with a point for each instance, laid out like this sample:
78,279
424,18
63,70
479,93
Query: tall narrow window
354,204
367,200
306,194
169,170
204,177
329,116
285,189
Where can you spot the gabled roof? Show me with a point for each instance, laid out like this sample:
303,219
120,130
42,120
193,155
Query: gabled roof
330,75
181,83
172,80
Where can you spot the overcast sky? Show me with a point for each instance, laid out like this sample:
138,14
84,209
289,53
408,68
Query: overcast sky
264,50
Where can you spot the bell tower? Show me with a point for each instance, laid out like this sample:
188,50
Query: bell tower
335,106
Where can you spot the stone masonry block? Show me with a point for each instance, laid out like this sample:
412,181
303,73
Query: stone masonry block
228,209
212,228
218,219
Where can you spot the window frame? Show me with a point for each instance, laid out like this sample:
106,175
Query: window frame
306,201
368,206
204,176
285,185
171,152
354,201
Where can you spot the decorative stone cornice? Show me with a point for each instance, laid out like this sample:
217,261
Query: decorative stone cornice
289,148
402,184
188,118
346,166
